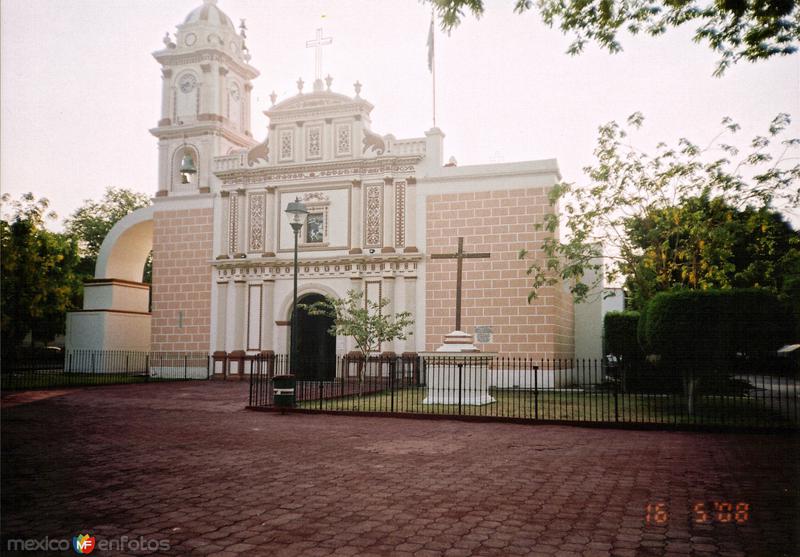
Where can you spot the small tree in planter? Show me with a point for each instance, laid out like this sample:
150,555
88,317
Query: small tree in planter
365,321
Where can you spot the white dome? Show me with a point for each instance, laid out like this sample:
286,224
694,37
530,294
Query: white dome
209,14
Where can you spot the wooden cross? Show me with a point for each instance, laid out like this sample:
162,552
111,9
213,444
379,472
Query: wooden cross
317,44
460,256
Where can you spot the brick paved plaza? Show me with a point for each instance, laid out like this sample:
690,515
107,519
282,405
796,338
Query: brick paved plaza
186,464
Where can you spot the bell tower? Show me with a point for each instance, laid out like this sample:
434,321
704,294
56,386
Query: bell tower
205,99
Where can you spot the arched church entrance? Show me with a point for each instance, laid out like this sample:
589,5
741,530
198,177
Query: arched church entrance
316,348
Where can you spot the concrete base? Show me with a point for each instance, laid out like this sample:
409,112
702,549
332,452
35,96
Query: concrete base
457,373
108,330
115,316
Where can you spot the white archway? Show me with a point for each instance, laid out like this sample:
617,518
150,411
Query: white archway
124,252
116,312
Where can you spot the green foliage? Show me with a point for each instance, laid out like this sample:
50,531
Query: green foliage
701,335
712,326
619,334
91,222
790,293
708,243
685,216
365,321
736,29
40,283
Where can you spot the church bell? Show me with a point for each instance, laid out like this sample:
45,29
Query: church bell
187,165
187,168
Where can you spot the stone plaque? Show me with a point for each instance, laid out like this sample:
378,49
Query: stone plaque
483,334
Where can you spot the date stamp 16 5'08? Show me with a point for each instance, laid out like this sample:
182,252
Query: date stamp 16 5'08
702,512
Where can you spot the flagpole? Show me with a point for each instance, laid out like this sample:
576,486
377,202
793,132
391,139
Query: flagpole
432,63
433,73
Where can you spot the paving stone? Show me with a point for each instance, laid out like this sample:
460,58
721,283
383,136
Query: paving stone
187,464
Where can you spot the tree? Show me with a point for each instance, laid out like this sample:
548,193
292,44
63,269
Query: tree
365,321
40,282
749,30
648,215
91,222
708,243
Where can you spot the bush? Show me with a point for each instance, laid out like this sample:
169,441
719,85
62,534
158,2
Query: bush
619,334
715,325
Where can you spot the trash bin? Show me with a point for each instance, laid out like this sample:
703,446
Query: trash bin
283,391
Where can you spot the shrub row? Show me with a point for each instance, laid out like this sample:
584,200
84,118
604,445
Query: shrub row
702,324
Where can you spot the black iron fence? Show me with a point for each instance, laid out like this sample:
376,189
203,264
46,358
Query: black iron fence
547,390
99,367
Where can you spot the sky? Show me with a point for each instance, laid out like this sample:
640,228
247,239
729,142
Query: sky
80,88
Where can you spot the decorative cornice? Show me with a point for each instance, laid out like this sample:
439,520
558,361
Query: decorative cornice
168,58
116,282
343,266
211,126
327,169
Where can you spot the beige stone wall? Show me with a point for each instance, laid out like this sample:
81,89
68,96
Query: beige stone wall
182,245
494,290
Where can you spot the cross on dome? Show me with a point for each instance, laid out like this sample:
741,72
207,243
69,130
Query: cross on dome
317,44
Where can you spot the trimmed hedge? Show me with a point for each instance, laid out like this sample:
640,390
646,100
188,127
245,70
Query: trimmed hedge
715,324
619,334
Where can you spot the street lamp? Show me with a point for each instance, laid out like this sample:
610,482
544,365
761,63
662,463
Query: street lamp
297,214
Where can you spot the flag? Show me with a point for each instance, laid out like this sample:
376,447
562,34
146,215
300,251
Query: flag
430,45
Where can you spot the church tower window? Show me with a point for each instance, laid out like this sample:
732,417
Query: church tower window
315,232
315,225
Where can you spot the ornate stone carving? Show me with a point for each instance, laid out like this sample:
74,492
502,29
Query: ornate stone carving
315,198
343,139
256,222
372,215
314,142
259,152
233,222
286,144
400,213
374,142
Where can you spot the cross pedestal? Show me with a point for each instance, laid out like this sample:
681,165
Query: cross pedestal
457,373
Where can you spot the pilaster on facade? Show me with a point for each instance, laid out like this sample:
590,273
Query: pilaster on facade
388,216
270,223
356,240
410,216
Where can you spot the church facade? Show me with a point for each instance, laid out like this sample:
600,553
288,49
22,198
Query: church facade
379,207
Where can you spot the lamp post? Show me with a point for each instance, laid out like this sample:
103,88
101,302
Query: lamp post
297,214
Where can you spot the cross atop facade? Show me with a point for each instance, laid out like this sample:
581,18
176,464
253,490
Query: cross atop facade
317,44
460,256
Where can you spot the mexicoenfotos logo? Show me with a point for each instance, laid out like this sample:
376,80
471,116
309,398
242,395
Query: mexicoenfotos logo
83,544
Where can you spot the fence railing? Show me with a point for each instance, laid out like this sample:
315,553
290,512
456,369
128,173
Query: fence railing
100,367
540,390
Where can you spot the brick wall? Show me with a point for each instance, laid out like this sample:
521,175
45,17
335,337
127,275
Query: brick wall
495,290
182,248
